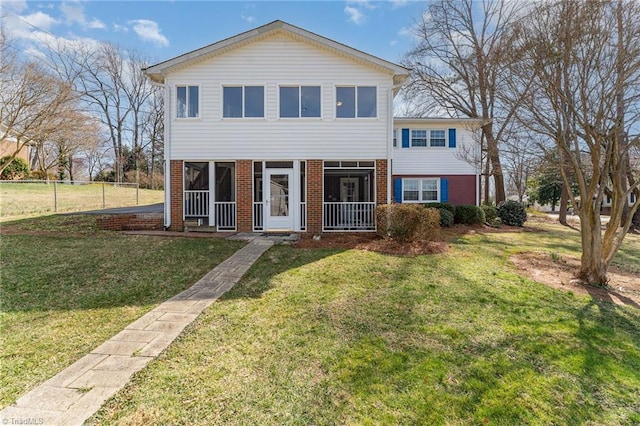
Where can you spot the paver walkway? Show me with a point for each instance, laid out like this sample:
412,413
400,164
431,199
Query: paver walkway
77,392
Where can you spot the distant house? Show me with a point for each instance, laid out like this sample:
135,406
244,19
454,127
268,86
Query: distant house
9,144
280,129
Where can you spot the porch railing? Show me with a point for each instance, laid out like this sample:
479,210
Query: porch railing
196,203
359,216
258,216
225,215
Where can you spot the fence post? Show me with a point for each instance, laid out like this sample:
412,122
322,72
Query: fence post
55,197
104,203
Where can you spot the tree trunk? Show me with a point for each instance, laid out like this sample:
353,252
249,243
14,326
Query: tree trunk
564,201
593,269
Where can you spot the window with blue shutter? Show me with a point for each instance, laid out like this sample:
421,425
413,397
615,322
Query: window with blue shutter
452,138
405,138
444,190
397,190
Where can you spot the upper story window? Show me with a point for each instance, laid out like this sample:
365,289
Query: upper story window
356,101
243,101
299,101
187,102
418,138
437,138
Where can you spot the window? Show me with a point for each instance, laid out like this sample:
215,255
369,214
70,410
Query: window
437,138
360,101
299,101
420,190
395,138
243,101
418,138
187,103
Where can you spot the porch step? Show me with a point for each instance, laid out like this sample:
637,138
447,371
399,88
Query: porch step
201,228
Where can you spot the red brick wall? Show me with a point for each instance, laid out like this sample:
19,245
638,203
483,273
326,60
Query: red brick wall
244,199
314,196
381,182
114,222
176,194
462,188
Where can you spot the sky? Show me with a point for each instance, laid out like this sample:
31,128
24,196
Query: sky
161,30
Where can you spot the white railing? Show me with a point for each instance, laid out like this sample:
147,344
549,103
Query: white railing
225,215
258,216
349,216
196,203
303,216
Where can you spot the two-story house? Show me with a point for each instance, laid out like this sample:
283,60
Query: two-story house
280,129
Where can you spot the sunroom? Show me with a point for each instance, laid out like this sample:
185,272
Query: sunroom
210,194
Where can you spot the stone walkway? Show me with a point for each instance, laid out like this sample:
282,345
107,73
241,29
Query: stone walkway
77,392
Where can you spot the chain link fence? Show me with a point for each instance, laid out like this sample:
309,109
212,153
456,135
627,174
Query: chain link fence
32,197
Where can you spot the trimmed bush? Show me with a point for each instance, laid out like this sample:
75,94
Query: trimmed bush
447,206
469,215
446,218
490,212
407,222
512,213
17,168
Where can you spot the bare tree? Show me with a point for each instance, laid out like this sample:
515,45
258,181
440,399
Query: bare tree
585,59
154,131
33,103
460,64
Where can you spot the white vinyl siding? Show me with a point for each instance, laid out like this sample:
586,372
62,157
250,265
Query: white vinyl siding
437,160
278,61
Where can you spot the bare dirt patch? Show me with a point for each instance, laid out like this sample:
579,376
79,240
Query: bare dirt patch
558,272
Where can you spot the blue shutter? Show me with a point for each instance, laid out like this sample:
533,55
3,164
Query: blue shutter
405,138
444,190
397,190
452,138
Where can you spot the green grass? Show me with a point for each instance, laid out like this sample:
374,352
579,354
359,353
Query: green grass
351,337
67,287
28,199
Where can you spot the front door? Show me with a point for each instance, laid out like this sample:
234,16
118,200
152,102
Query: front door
278,211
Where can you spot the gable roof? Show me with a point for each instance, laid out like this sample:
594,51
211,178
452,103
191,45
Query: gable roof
158,72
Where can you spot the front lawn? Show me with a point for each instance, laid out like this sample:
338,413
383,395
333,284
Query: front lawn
328,336
67,287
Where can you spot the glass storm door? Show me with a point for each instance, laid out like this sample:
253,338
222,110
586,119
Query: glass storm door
278,208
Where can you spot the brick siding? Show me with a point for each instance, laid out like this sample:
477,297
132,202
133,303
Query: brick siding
176,195
244,198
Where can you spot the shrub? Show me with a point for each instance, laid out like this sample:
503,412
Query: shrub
490,212
407,222
512,213
446,218
447,206
469,215
17,168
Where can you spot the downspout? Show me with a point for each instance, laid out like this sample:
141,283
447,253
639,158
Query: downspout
167,153
390,140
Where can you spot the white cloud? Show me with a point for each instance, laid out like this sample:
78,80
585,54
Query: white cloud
247,18
149,31
74,14
120,28
356,10
398,3
354,14
40,20
14,6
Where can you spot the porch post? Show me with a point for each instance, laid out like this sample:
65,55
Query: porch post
314,196
244,210
177,195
